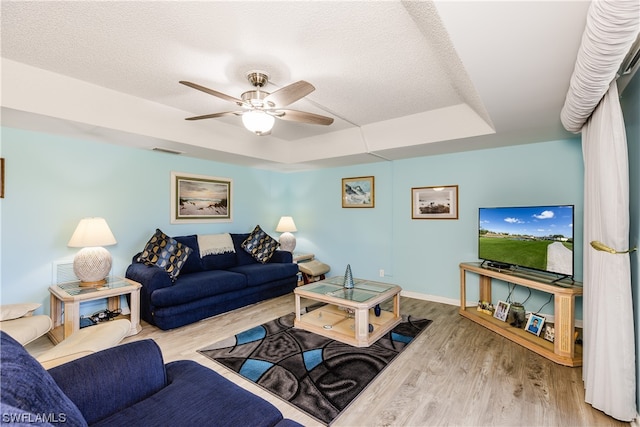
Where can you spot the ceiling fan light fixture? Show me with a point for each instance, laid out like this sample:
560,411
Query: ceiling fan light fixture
258,122
261,108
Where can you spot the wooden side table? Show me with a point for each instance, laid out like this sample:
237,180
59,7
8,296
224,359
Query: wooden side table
66,298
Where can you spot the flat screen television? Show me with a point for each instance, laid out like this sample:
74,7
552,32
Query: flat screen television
534,237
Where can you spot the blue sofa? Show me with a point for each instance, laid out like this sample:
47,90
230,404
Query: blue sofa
127,385
210,285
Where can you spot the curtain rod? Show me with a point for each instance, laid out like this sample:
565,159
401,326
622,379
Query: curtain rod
631,60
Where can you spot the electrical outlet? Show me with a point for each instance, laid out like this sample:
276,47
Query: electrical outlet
381,273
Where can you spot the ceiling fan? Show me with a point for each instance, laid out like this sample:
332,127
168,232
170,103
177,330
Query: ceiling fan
260,108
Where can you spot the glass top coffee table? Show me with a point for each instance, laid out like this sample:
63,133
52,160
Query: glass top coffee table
349,315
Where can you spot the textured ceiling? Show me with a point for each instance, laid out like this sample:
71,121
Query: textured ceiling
401,79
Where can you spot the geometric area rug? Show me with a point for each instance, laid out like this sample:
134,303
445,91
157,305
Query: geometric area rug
318,375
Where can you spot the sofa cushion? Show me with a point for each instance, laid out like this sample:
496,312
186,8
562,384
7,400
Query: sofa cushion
86,341
193,264
258,274
15,311
27,386
260,245
219,261
242,256
104,383
192,287
28,328
166,253
197,396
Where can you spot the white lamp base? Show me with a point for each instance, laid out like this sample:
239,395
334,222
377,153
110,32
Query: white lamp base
92,265
287,242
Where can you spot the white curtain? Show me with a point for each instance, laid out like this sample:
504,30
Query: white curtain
609,340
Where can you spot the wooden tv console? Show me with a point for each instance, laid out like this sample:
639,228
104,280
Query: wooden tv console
563,350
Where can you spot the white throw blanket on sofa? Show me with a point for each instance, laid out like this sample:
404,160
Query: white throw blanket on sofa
214,244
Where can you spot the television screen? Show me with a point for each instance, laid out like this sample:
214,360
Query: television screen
536,237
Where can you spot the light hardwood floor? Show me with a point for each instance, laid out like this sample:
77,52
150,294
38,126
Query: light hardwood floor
456,373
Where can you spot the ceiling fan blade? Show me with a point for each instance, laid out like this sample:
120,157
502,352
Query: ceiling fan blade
289,94
213,92
303,117
214,115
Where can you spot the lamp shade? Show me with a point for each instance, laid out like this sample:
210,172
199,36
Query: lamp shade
287,240
286,224
258,121
92,232
93,262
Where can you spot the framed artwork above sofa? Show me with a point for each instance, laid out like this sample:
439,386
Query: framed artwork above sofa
200,198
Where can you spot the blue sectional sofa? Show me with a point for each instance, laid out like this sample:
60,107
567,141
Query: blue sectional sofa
127,385
210,285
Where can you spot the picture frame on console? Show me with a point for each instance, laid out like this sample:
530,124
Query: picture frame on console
502,311
534,324
358,192
549,332
200,198
434,202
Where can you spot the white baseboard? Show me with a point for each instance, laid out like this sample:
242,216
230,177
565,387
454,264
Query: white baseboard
426,297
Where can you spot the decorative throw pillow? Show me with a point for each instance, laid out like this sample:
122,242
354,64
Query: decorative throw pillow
166,253
260,245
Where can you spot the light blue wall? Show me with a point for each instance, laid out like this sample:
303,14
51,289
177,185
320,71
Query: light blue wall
54,181
630,102
423,255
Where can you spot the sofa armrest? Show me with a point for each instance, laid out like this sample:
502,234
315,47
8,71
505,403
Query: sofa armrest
110,380
151,277
281,257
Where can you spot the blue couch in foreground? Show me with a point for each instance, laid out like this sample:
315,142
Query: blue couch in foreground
210,285
127,385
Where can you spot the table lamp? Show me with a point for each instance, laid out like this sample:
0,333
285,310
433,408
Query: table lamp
93,262
287,240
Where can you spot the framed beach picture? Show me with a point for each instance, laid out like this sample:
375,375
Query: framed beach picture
434,202
534,324
358,192
200,198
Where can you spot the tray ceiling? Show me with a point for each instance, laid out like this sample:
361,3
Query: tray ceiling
401,79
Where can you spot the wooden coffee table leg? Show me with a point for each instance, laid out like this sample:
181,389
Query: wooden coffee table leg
396,305
362,326
298,308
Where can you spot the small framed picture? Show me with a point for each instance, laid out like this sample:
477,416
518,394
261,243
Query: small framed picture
502,311
534,324
549,332
358,192
434,202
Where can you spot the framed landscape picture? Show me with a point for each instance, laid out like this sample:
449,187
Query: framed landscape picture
200,198
358,192
434,202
